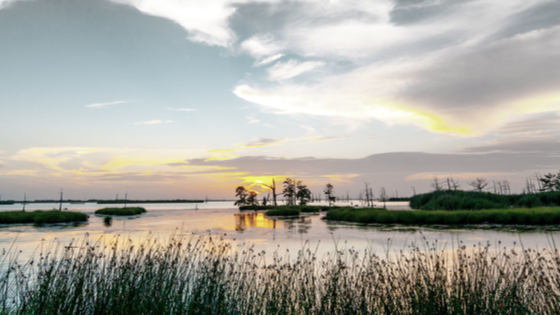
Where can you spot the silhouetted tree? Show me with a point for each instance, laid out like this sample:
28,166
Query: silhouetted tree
289,191
478,184
329,192
303,193
242,194
435,184
383,196
550,182
252,199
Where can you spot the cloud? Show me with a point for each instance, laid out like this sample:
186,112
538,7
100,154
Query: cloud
331,138
252,119
6,3
101,105
262,142
183,109
292,68
268,60
154,122
205,21
261,45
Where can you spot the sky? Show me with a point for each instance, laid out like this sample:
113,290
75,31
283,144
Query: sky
188,99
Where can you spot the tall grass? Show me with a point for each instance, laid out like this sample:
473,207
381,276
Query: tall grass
539,216
41,217
472,200
121,211
207,275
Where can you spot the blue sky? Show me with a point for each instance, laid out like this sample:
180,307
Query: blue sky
183,99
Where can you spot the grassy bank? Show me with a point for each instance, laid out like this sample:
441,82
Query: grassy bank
294,210
41,217
472,200
205,275
122,201
300,208
121,211
283,211
536,216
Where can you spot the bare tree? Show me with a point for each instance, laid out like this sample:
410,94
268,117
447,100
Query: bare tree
507,188
478,184
329,192
454,183
273,188
60,204
383,196
413,191
436,184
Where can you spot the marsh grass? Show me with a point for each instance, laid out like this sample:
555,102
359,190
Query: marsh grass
472,200
300,208
121,211
283,211
538,216
41,217
209,275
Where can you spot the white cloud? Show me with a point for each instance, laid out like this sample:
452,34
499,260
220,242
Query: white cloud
101,105
292,68
268,60
6,3
206,21
183,109
261,45
154,122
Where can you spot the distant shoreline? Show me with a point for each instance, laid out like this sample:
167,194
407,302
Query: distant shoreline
97,201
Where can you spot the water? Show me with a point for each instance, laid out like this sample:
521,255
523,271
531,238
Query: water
222,218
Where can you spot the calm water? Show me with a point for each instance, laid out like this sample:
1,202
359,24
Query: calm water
222,218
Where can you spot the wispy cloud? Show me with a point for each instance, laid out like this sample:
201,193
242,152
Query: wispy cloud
262,142
292,68
154,122
101,105
331,138
252,119
183,109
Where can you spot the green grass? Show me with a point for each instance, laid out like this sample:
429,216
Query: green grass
207,275
536,216
283,211
472,200
295,210
41,217
121,211
300,208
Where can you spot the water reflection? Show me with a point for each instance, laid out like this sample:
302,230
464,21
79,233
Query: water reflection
255,219
300,225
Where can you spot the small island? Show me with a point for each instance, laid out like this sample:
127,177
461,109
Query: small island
41,217
121,211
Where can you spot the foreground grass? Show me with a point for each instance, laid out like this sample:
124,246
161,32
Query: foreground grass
41,217
121,211
206,275
537,216
472,200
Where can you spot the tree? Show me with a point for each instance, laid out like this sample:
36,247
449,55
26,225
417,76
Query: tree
383,196
289,191
478,184
452,184
303,193
252,199
329,192
273,188
550,182
242,194
436,185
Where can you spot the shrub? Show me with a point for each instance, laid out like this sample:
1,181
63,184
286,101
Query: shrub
121,211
